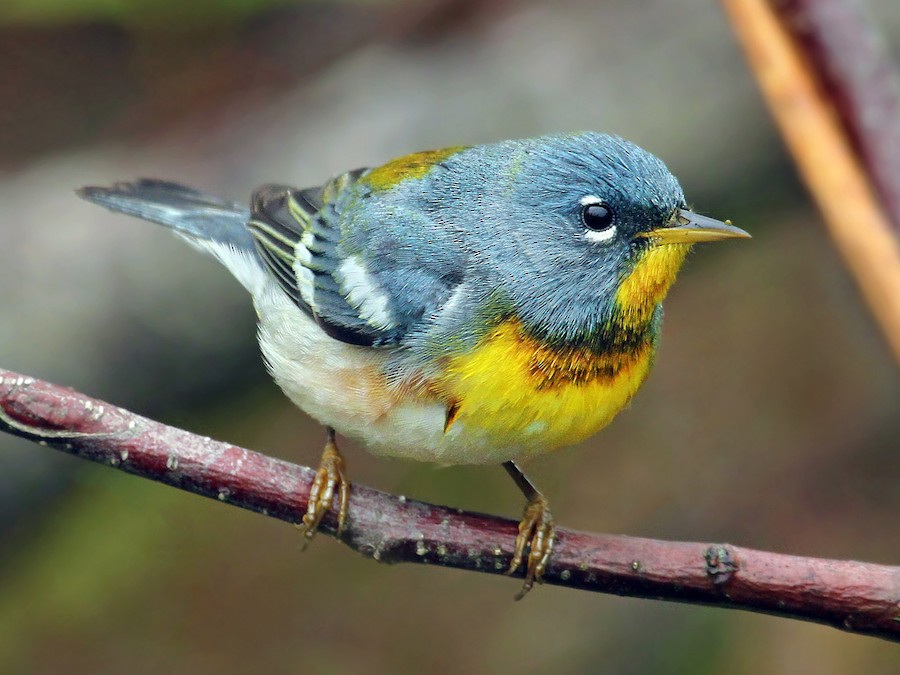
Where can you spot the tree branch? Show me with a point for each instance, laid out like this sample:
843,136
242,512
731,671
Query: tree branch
797,94
854,67
853,596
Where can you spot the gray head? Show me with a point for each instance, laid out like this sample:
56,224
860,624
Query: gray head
560,222
566,233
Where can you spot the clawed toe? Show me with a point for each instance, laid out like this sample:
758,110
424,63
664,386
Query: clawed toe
537,534
329,479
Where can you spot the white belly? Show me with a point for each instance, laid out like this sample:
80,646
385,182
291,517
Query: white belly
343,386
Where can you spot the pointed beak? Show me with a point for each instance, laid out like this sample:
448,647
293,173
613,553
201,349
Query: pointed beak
688,227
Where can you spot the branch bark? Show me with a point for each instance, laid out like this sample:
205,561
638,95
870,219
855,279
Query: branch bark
853,596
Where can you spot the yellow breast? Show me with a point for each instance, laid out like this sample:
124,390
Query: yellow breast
525,392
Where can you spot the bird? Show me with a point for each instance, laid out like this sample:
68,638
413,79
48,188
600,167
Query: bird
480,304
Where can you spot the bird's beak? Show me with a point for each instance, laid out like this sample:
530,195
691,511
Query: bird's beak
687,227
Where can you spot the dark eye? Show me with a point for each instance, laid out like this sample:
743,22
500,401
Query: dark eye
597,217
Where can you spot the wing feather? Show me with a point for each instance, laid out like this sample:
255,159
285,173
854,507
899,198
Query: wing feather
297,234
313,253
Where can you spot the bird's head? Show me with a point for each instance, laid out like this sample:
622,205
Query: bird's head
582,230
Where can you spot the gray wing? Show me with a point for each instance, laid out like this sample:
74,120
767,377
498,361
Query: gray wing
356,288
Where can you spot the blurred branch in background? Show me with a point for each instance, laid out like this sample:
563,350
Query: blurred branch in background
855,68
812,58
856,597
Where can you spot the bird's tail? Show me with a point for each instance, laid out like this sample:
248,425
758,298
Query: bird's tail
212,224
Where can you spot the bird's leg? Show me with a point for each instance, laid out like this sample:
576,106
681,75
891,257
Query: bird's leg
537,531
329,477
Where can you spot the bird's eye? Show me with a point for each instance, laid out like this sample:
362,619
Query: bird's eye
597,217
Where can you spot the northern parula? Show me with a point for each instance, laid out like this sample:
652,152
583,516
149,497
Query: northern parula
473,305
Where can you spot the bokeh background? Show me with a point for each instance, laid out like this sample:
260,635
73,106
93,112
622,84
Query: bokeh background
771,420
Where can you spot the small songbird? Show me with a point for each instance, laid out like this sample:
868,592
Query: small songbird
472,305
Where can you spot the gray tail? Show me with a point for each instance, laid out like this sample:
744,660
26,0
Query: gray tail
213,225
191,213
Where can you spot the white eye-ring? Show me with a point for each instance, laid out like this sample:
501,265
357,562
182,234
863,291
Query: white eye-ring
598,219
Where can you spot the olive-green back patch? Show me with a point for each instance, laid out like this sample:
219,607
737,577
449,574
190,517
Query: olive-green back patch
397,170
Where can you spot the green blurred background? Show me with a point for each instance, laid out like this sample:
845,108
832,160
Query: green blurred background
771,420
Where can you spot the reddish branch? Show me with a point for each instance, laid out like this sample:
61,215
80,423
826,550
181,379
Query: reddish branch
842,183
853,596
854,66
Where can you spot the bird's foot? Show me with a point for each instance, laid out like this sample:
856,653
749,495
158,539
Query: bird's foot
537,533
329,478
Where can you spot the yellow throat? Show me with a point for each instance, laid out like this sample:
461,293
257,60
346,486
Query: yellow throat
524,391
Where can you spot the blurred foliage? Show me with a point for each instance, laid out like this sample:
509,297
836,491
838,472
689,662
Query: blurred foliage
175,14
